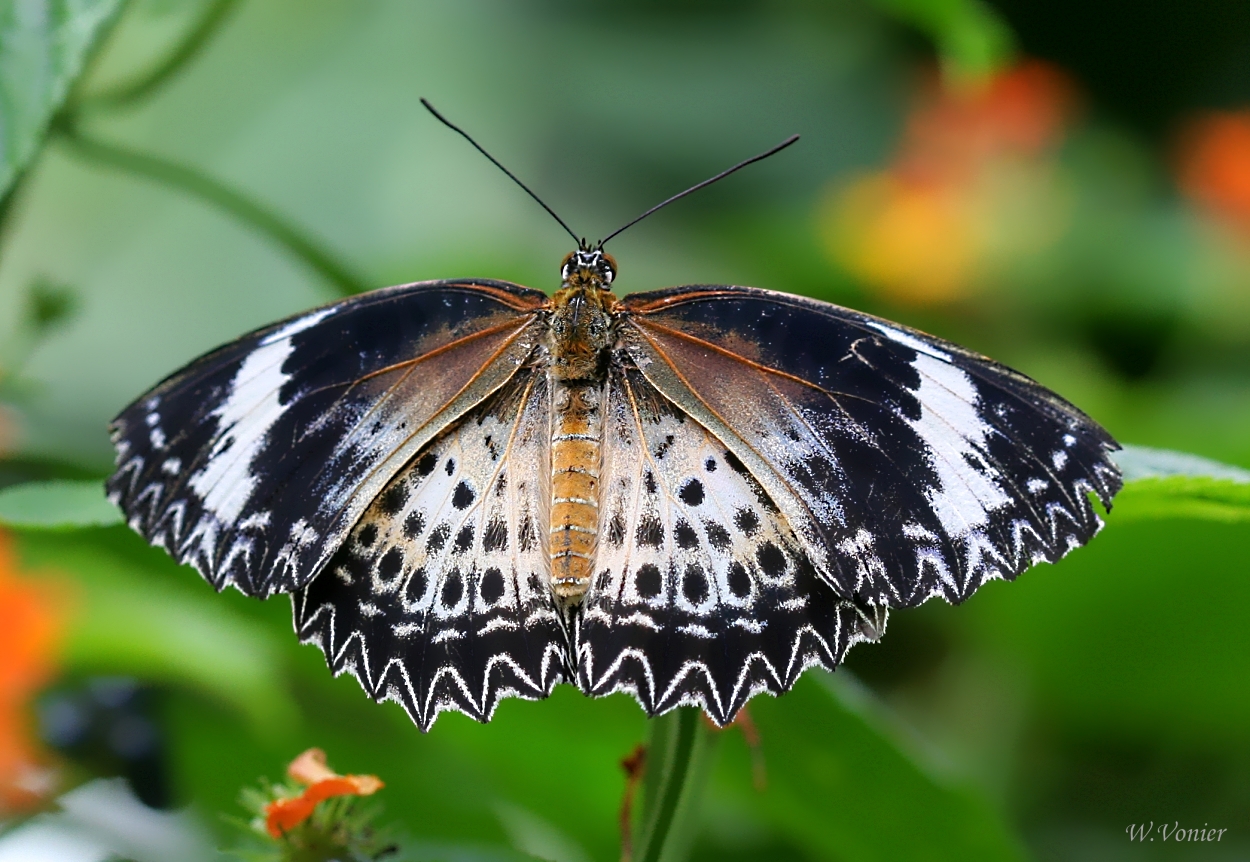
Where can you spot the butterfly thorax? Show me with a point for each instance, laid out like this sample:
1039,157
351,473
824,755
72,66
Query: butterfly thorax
580,330
579,340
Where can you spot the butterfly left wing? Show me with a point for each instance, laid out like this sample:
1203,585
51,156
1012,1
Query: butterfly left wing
907,466
439,598
253,462
702,594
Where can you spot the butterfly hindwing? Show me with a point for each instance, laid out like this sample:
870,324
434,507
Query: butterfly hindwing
907,466
439,598
702,594
253,461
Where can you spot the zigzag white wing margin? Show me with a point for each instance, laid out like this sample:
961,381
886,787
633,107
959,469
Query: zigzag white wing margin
439,598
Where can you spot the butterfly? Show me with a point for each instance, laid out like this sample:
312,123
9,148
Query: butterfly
472,490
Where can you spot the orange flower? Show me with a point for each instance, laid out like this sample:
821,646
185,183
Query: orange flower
955,131
310,769
32,621
1215,165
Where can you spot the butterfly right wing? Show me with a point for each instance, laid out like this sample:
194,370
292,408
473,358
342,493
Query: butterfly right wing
908,467
253,462
439,598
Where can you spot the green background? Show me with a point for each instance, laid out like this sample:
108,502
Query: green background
1038,720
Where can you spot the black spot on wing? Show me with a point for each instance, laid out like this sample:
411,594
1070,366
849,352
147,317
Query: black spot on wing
747,521
691,492
453,589
650,532
717,536
648,581
426,463
414,524
463,496
418,583
438,538
694,584
392,500
771,560
738,579
684,535
492,586
496,536
390,564
464,539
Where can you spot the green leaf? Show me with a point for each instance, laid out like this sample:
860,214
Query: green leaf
1143,462
44,47
57,505
1160,483
973,41
847,781
1140,637
140,614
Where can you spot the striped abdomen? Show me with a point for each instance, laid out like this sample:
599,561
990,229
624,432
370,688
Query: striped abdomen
576,432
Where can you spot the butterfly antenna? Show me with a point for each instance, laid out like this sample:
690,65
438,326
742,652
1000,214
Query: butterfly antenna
787,142
581,243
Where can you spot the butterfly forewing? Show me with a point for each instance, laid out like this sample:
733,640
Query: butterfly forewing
439,598
254,461
702,593
907,467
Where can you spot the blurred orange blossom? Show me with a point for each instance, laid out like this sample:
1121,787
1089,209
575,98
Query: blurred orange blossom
321,783
970,171
1214,166
32,622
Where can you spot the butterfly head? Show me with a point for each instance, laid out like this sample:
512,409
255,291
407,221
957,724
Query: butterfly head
588,267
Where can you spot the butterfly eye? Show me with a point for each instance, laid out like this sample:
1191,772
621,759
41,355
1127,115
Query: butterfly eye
566,266
609,269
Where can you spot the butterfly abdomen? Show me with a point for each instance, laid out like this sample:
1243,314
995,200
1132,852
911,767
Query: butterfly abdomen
576,453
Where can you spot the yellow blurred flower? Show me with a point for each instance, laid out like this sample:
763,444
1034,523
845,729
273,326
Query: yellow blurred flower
913,241
972,183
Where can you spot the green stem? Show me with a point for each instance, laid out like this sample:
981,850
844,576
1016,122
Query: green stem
145,83
679,750
244,209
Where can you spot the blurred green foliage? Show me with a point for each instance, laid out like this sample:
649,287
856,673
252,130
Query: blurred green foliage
44,47
1039,720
